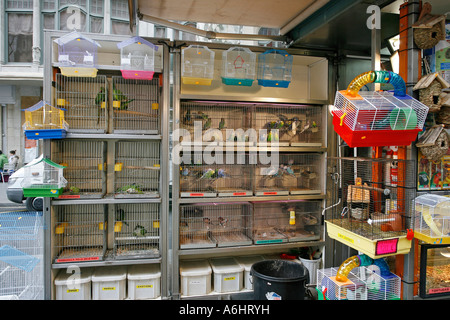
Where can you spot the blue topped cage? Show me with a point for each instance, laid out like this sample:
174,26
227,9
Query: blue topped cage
43,121
274,68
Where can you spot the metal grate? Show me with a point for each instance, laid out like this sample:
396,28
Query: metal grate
85,166
136,105
137,169
297,125
80,233
221,224
371,197
85,100
136,230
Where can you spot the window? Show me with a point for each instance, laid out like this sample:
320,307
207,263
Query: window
20,30
120,17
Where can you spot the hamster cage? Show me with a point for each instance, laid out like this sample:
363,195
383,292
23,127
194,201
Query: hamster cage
215,224
43,178
238,66
432,219
197,65
137,58
274,68
371,204
43,121
434,270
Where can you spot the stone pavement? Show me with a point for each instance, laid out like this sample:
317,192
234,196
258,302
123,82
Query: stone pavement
5,204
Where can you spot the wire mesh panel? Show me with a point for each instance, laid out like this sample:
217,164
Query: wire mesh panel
85,101
297,125
21,256
136,105
136,230
224,224
221,122
79,233
84,163
372,197
137,169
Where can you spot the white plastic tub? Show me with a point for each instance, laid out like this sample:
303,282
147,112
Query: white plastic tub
144,281
228,274
109,283
195,277
246,262
73,286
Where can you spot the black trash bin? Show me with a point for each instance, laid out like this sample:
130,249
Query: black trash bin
279,280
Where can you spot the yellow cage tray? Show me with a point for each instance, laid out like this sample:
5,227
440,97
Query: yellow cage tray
197,81
374,248
431,240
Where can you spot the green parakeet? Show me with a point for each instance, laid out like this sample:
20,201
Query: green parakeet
139,231
101,97
222,124
207,124
120,216
119,96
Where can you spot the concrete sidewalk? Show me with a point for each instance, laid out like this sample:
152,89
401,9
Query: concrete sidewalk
5,204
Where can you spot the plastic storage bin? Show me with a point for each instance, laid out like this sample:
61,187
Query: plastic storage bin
228,274
246,262
195,277
144,281
109,283
73,286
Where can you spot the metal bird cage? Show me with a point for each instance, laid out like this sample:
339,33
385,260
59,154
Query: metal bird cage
289,174
85,167
137,169
21,256
43,178
274,68
363,283
371,203
432,218
136,106
136,230
79,233
85,100
216,122
43,121
289,125
217,224
197,65
286,221
238,66
233,178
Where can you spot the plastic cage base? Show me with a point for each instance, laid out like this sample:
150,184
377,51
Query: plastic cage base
45,134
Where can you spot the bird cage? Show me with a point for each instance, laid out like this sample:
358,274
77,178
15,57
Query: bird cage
79,233
286,221
221,224
43,178
289,125
371,203
43,121
85,102
77,55
137,58
218,122
238,66
85,167
197,65
21,256
274,68
136,106
377,118
137,169
136,230
432,218
231,179
291,174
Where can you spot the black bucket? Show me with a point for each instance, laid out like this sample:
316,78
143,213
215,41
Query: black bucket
279,280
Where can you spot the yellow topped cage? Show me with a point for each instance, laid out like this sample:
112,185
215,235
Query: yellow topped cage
43,121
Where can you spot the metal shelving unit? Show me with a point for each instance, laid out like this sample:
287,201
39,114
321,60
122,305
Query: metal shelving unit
149,244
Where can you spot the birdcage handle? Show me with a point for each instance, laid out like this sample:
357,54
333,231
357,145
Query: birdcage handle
377,77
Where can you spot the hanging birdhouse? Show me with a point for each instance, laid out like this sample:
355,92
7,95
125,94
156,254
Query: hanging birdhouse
77,55
43,121
274,68
137,58
43,178
430,89
239,65
380,118
429,28
197,65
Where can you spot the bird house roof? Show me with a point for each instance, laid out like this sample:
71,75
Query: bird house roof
426,81
40,105
134,40
73,36
47,161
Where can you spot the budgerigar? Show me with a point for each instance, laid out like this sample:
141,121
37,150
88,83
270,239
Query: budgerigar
222,124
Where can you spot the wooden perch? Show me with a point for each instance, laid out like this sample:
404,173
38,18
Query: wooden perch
430,136
140,168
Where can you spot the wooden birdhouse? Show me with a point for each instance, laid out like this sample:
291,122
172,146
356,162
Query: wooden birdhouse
429,28
443,116
434,144
77,55
430,88
137,58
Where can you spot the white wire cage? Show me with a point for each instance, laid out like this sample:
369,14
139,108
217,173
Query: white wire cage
79,233
136,230
85,169
21,256
217,224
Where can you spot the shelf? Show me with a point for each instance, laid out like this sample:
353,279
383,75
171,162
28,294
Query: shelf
247,148
253,99
106,262
106,67
106,200
112,136
252,198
